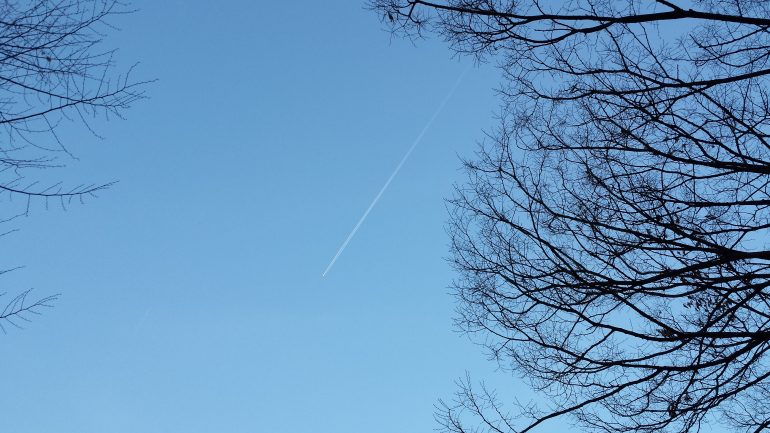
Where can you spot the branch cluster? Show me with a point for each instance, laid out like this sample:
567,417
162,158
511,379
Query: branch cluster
52,71
613,238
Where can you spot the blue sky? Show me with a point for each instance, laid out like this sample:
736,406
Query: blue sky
192,298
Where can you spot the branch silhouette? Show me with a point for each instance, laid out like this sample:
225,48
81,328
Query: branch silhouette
611,241
52,71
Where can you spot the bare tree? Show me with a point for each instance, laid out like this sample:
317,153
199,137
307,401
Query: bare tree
52,71
613,239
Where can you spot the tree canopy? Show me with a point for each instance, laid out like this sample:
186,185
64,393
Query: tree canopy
612,240
52,71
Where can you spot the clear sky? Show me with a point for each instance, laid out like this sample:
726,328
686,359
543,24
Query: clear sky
192,298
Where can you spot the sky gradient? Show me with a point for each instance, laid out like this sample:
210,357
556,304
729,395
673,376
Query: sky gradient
192,298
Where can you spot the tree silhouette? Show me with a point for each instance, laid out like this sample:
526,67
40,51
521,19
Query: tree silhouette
613,239
52,71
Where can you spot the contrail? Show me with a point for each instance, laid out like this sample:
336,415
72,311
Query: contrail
398,168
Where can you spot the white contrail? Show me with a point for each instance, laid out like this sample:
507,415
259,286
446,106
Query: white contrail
398,168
